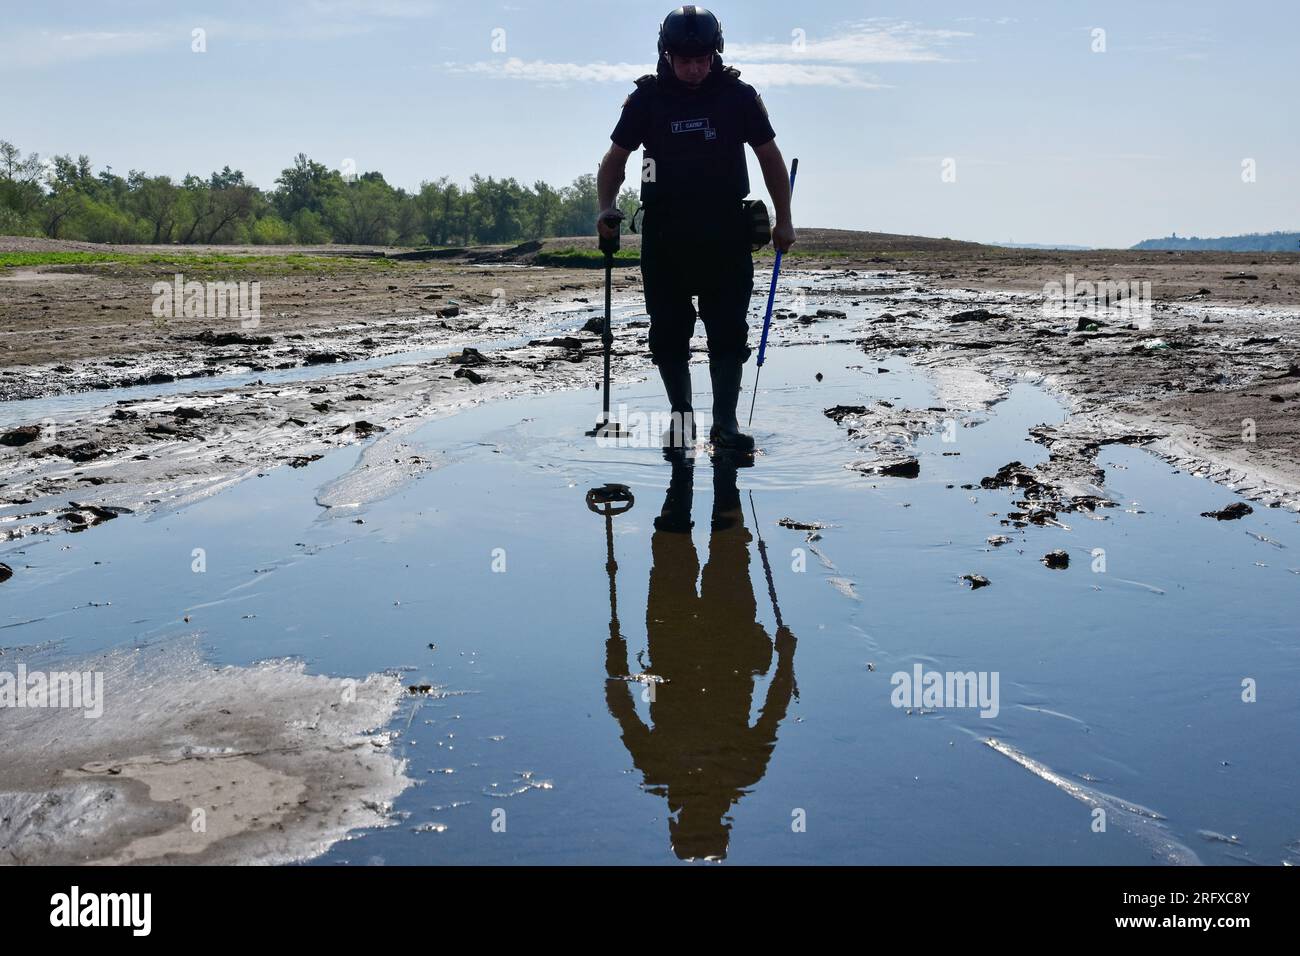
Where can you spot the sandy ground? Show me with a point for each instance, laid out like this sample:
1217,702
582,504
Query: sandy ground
1208,379
52,316
190,763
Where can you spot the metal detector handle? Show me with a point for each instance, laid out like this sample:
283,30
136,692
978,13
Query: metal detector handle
610,245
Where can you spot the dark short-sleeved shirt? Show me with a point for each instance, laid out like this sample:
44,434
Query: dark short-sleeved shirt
694,139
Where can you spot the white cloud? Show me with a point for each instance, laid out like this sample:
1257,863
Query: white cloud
960,160
829,61
868,41
545,71
762,74
34,49
395,9
807,74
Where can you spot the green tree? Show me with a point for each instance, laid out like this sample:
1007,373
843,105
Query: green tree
546,209
309,228
66,181
154,200
579,204
306,184
499,202
20,188
363,213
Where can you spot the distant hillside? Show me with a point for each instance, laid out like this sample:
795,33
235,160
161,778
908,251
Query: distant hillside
813,241
1042,245
1254,242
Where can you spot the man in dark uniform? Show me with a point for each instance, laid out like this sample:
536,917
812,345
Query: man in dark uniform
694,117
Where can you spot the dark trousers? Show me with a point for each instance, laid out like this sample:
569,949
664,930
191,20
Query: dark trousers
695,252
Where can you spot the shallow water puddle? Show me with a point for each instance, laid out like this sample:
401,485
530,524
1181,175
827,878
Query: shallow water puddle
652,708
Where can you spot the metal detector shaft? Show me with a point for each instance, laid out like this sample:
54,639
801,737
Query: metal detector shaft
607,333
771,297
608,246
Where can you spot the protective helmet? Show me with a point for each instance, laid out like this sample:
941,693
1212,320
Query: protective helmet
690,31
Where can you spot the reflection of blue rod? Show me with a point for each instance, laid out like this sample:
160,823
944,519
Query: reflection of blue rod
771,295
767,568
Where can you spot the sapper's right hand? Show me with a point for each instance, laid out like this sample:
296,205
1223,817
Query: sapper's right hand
608,222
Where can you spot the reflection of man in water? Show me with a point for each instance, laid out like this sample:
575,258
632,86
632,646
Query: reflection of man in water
702,754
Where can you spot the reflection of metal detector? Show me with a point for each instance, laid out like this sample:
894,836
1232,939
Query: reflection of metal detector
767,568
606,500
771,590
606,428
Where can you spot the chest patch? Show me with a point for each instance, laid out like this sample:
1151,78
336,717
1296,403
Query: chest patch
695,126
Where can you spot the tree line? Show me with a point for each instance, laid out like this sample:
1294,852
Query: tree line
63,198
1252,242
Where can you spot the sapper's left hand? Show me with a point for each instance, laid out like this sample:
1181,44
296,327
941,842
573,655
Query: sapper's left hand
783,236
609,221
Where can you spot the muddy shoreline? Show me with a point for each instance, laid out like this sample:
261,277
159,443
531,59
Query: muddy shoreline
1210,387
1179,382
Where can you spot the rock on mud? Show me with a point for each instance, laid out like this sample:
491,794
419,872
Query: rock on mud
841,412
905,466
794,525
80,517
973,315
1238,509
86,451
468,356
20,436
362,428
1011,475
208,337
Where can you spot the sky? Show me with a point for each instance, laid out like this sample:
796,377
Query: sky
984,121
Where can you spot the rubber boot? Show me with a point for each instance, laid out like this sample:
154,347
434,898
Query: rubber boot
679,438
725,432
727,512
676,513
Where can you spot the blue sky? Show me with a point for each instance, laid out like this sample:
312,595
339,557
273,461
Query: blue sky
1052,142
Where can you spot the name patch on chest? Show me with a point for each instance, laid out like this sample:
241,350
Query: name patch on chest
695,126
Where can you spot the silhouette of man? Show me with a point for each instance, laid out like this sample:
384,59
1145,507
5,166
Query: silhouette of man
701,752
